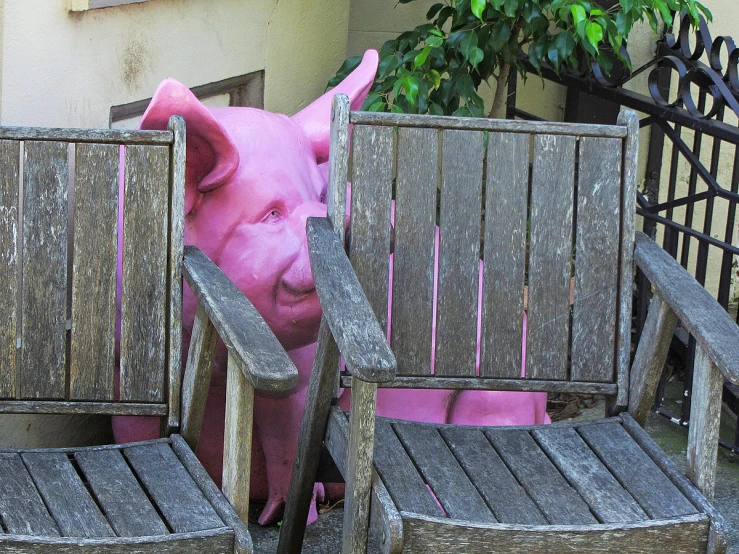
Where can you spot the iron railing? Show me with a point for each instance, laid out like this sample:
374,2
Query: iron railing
690,192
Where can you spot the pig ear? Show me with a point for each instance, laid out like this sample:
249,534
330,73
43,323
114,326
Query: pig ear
211,154
315,119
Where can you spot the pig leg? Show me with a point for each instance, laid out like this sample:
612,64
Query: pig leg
277,424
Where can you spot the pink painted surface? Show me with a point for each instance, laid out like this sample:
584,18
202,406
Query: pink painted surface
252,180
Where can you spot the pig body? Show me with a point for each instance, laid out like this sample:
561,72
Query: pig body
252,180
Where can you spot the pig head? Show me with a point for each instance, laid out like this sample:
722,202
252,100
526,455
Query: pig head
252,179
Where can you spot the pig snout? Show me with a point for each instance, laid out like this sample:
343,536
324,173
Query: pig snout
298,278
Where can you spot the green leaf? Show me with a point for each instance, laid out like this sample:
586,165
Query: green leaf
536,52
510,7
578,14
377,107
478,6
395,109
595,34
626,4
468,44
435,78
433,10
476,57
434,41
664,11
410,84
420,59
436,32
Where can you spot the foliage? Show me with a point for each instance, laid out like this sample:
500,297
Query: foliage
438,67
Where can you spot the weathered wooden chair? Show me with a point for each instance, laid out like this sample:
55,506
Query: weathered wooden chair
58,264
601,486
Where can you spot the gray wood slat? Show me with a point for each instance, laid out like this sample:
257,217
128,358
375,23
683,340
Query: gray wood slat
556,499
549,259
21,508
405,485
595,310
507,499
413,262
459,252
119,494
170,486
608,500
630,120
176,246
705,319
9,259
92,356
506,205
44,295
372,175
442,472
65,495
484,124
144,299
635,470
112,136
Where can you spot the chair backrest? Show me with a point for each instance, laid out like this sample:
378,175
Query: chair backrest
547,206
64,321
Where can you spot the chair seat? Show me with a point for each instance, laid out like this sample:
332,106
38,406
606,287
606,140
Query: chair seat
544,488
150,492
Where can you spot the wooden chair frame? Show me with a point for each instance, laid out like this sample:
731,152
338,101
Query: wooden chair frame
350,329
68,368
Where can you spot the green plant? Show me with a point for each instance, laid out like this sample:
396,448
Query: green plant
438,67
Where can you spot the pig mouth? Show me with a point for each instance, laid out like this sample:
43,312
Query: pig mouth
298,289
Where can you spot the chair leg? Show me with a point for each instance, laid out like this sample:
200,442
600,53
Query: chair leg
359,467
312,431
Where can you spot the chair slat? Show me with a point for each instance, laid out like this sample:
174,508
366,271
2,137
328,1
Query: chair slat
9,258
144,279
459,252
405,485
506,207
596,260
21,508
66,496
119,493
508,501
372,175
413,261
636,471
609,501
557,500
92,351
171,488
44,296
550,257
442,472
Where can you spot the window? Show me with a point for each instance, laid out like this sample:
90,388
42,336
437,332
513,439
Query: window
244,90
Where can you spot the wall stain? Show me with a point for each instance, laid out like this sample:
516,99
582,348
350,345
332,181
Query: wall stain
134,63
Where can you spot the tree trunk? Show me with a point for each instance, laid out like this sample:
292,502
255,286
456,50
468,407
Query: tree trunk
501,88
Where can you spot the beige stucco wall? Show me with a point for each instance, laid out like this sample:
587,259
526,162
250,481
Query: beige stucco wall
67,69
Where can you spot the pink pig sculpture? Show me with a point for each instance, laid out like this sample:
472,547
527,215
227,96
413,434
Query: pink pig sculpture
252,180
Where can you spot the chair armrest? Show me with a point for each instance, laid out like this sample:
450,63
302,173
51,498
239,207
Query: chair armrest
352,322
698,311
250,341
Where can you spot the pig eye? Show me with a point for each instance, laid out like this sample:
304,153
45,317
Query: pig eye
272,215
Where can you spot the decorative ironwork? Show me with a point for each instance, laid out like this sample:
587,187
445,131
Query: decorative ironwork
703,76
